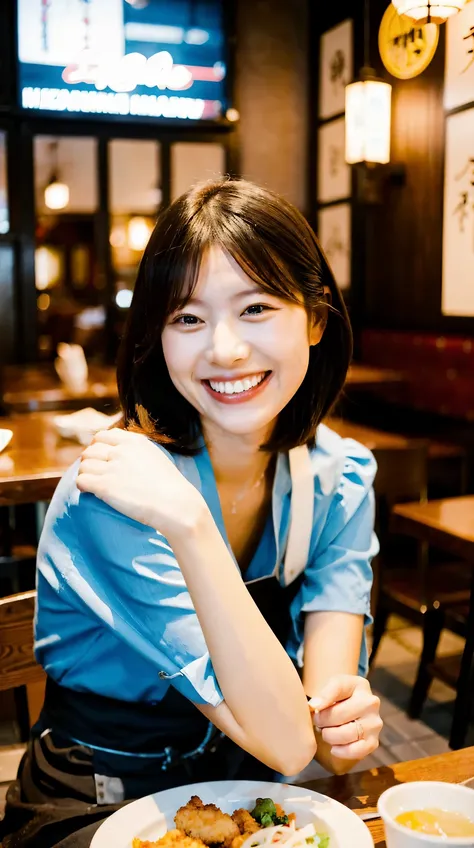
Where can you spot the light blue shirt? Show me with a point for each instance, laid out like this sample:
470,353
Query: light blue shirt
114,615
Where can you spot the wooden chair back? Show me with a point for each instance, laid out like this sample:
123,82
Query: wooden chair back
18,666
402,474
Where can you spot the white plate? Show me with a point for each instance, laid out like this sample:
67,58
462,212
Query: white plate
5,437
150,817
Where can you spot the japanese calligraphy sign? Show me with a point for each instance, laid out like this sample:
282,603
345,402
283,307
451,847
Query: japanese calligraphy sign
459,69
336,69
406,47
334,174
458,225
334,231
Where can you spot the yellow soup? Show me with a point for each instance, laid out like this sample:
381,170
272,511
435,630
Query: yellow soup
437,822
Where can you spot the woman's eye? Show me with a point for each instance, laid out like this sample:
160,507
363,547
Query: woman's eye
187,320
257,309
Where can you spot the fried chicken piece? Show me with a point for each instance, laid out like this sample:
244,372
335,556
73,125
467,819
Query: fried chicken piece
171,839
206,822
246,824
239,840
245,821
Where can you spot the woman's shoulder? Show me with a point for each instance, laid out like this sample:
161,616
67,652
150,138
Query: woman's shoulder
341,463
72,514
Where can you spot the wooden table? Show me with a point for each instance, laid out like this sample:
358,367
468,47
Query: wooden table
37,388
35,460
361,791
449,525
369,376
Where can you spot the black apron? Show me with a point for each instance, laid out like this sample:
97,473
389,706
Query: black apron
56,800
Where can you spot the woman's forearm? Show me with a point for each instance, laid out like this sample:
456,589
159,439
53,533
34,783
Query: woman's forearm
260,684
343,633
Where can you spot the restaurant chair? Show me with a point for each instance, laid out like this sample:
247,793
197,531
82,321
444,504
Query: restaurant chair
455,670
18,667
412,585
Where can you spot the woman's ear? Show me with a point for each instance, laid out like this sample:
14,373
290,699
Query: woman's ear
320,318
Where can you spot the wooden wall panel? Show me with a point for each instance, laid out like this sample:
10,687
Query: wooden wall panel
404,233
397,243
271,89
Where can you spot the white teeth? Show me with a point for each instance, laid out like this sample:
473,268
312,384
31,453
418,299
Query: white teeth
239,386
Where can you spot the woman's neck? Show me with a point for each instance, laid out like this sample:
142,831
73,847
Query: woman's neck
237,460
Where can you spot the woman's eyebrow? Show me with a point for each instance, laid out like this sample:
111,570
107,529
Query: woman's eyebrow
236,296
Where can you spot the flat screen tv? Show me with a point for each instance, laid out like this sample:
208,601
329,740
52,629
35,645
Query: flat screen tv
155,59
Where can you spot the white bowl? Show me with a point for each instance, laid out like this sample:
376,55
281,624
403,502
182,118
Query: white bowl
5,437
422,795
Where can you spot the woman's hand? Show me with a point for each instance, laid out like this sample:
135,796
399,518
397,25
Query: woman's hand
347,714
135,477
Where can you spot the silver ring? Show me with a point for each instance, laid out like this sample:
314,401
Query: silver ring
360,730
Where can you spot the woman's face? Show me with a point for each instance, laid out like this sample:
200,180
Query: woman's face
237,354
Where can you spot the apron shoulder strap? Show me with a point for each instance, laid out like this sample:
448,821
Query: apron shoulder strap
301,513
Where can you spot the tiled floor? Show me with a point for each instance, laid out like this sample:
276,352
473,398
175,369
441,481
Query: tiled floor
392,679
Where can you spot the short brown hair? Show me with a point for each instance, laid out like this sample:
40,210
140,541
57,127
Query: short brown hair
275,246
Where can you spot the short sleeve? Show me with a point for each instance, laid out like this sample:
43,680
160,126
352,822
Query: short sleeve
338,576
126,575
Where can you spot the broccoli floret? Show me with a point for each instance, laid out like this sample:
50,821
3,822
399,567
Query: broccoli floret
263,807
265,813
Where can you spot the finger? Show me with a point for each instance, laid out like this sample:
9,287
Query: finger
113,437
90,483
356,750
337,689
343,735
92,466
361,703
98,450
354,731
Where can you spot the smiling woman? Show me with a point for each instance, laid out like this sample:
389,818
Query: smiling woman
230,263
204,555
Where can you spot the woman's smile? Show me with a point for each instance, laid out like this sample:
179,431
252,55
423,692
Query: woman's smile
239,389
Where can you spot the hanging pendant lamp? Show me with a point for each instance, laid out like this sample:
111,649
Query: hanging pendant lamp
368,112
56,193
431,13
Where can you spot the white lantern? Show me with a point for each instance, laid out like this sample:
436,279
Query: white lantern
368,114
56,195
435,13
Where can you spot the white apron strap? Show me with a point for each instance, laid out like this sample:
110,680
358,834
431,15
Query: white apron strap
301,513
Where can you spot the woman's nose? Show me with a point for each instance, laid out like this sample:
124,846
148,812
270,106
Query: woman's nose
227,346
